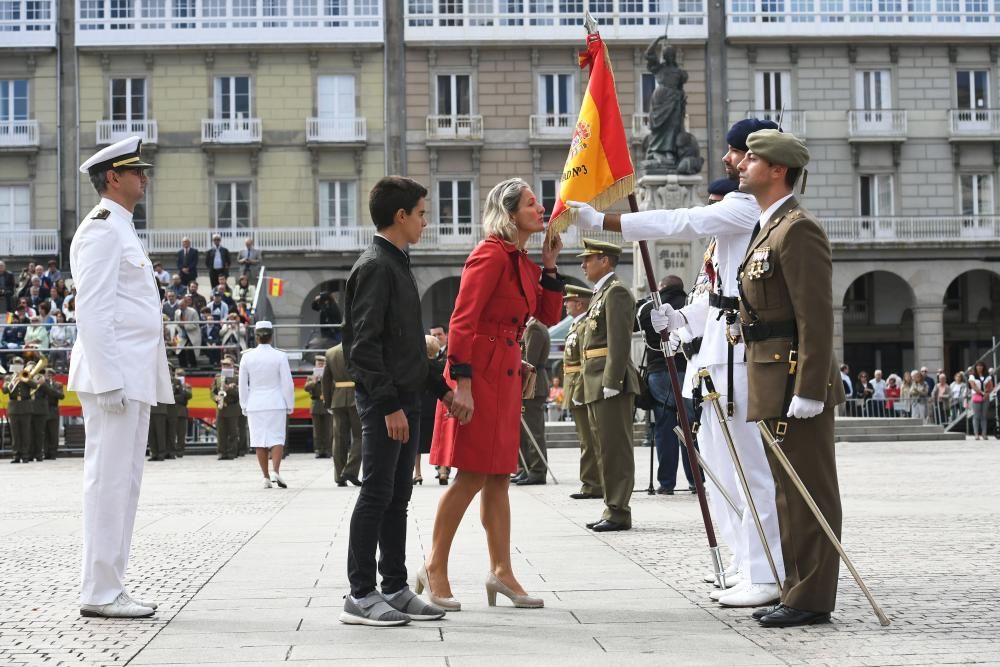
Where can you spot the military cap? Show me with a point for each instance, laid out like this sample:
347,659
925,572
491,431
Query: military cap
227,360
779,148
723,186
738,133
576,292
123,154
264,325
592,247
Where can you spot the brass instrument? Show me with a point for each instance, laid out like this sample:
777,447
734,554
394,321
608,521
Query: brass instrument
28,376
220,400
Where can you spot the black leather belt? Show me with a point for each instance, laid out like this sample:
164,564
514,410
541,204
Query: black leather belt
760,331
723,302
692,348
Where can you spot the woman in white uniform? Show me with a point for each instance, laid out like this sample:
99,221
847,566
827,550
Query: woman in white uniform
267,396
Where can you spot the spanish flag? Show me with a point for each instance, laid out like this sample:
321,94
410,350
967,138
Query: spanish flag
275,287
599,168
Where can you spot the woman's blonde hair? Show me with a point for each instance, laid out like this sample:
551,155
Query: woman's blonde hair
501,204
433,346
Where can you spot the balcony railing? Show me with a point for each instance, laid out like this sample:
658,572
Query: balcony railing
28,23
551,126
29,242
917,230
18,133
336,130
337,239
454,128
876,124
186,22
230,130
110,131
640,125
860,18
791,120
488,20
974,123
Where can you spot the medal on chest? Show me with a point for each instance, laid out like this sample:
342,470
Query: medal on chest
759,263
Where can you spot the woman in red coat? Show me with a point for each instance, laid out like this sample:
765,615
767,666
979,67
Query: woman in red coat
501,287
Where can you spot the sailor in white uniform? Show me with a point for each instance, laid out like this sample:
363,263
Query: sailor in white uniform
119,369
267,396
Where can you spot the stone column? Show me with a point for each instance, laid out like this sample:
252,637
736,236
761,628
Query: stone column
838,334
928,335
667,191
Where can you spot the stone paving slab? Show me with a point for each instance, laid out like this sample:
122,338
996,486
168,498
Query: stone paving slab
252,576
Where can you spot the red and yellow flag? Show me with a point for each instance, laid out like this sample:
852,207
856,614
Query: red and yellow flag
275,287
599,168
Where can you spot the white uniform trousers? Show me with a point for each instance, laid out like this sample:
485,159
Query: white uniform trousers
112,474
746,546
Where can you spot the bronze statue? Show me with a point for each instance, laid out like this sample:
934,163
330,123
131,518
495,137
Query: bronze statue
669,149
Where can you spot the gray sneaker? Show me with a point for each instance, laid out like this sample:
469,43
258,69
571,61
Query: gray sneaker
408,603
371,610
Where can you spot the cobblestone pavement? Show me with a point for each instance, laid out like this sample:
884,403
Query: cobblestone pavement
246,575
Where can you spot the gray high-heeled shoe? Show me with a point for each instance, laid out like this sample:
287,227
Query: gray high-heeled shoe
494,586
448,604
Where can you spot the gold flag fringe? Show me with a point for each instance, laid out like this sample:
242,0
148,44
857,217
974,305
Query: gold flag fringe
611,195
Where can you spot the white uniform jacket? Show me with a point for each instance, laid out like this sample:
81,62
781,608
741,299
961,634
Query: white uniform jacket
265,380
119,325
731,221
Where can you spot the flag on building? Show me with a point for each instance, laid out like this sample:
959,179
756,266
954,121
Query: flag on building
275,287
599,168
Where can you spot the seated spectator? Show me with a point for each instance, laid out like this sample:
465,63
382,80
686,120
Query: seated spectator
211,336
59,294
35,296
162,276
45,314
233,336
170,304
243,296
43,282
222,287
218,307
13,336
37,334
52,274
197,300
69,305
28,310
61,339
176,286
891,392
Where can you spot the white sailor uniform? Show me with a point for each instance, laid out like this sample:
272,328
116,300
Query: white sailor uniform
267,394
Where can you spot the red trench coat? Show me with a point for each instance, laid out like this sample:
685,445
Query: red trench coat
500,289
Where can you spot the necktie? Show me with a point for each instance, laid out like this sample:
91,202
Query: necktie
756,231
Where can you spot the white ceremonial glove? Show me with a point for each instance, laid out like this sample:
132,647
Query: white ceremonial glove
804,408
674,344
586,216
113,401
577,403
609,392
665,317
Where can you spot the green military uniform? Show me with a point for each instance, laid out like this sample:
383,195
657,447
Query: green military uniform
322,420
19,412
158,447
54,393
536,344
39,415
244,437
590,472
605,338
787,306
338,392
182,395
227,419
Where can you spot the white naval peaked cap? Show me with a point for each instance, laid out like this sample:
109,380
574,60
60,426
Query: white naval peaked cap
124,153
263,325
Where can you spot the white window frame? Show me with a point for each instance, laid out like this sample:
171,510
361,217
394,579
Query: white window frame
233,184
766,98
335,113
7,194
450,231
570,102
129,111
10,83
342,226
217,96
976,183
454,92
986,93
873,89
881,193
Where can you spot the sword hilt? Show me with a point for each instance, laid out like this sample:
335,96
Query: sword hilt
706,377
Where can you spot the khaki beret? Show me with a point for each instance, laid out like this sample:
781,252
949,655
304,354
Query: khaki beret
592,247
577,292
779,148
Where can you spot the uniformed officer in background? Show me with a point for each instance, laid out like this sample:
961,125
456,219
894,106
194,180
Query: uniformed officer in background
158,445
19,409
322,420
226,394
535,343
55,393
338,392
182,394
610,380
39,412
577,301
786,317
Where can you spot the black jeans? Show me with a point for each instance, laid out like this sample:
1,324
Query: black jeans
379,519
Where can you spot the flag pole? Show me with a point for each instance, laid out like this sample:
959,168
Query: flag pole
682,415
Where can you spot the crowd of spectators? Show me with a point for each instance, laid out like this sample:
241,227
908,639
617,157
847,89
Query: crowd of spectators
38,314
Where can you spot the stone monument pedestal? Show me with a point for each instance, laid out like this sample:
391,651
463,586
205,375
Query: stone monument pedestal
668,191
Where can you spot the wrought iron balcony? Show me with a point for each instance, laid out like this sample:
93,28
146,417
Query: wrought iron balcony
791,120
454,128
230,131
18,134
876,124
110,131
923,230
555,127
29,242
974,124
336,130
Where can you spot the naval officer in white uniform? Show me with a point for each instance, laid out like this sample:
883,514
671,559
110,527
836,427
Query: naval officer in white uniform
119,327
267,396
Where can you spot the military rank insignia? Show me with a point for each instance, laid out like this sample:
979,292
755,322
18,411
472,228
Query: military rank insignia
759,263
101,214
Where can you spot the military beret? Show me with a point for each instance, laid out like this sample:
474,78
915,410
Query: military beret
738,133
592,247
577,292
723,186
779,148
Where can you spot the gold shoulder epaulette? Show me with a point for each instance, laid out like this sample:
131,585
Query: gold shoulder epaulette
101,214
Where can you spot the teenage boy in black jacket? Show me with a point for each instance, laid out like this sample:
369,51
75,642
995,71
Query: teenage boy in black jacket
386,355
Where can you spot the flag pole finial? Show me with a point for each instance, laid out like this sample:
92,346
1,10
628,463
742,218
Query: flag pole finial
589,23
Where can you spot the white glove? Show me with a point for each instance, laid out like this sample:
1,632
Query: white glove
665,317
577,403
113,401
674,344
586,216
804,408
609,392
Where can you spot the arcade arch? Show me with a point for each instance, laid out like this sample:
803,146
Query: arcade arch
971,317
878,323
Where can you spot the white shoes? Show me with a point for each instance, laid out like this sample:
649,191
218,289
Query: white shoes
121,607
267,483
141,603
730,572
751,595
721,592
276,478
